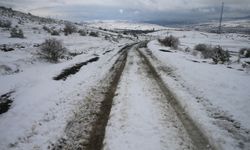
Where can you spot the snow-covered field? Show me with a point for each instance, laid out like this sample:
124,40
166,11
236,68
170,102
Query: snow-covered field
125,25
216,96
44,112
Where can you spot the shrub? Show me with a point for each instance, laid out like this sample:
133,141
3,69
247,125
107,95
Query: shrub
245,52
55,32
201,47
82,33
216,53
220,55
170,41
16,33
45,28
5,23
69,28
52,50
94,34
206,50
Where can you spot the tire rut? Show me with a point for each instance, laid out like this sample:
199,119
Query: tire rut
86,130
198,138
98,130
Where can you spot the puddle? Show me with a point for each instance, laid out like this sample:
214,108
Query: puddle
163,50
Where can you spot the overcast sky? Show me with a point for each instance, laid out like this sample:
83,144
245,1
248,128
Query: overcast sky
137,10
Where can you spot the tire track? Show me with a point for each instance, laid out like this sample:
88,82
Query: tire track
197,136
86,129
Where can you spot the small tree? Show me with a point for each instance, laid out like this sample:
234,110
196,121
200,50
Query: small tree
52,50
16,33
69,28
170,41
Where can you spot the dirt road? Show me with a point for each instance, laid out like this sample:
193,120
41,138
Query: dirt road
145,115
132,110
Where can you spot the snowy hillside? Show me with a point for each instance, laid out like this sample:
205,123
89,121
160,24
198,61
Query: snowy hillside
118,85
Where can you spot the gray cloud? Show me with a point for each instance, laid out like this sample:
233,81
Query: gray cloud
130,9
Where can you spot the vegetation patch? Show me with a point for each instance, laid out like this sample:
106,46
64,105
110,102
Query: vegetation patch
16,33
52,50
5,24
69,28
170,41
245,52
216,53
94,34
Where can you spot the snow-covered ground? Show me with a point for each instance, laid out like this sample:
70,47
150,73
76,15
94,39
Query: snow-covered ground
216,96
188,39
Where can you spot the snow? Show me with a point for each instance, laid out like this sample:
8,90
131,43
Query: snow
213,89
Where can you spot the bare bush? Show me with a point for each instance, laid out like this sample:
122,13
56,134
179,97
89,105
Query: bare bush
52,50
170,41
5,23
94,34
16,33
69,28
245,52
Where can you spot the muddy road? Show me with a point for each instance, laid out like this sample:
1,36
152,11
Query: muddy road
132,110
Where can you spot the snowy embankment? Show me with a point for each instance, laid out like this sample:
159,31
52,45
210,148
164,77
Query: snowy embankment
215,96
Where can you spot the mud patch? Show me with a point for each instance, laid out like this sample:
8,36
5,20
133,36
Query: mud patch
106,52
167,51
5,102
73,70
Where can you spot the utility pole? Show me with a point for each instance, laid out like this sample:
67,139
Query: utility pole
221,15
